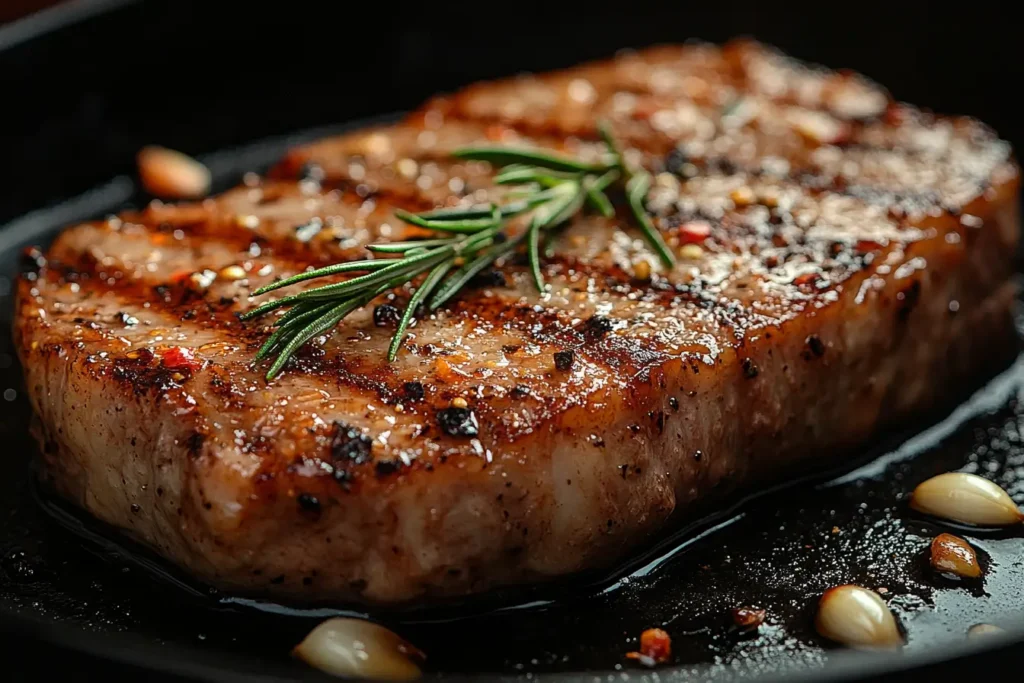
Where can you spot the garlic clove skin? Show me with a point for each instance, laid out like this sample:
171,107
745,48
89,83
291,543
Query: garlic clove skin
172,175
953,555
354,648
966,498
982,630
857,617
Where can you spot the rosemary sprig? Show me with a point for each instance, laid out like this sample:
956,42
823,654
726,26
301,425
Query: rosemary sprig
551,190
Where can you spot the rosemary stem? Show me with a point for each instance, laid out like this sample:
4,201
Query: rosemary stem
546,188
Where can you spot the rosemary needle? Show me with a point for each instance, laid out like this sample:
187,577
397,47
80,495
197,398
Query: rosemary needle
551,188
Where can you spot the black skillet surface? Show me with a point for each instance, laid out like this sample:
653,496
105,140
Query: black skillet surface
71,604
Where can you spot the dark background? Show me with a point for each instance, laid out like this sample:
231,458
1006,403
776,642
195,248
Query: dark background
204,74
15,9
201,75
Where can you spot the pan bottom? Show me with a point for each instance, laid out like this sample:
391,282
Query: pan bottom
777,552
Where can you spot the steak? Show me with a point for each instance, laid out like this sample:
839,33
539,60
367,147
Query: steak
844,260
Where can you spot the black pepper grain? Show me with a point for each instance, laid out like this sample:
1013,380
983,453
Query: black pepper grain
386,315
675,161
308,503
194,443
520,391
413,391
348,443
458,422
343,477
750,370
564,359
311,171
598,326
386,467
815,345
489,278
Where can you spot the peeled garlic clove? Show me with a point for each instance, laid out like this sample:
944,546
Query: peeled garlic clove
966,498
857,617
353,648
172,175
953,555
980,630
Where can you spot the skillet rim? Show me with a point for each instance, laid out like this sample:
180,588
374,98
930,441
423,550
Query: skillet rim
195,663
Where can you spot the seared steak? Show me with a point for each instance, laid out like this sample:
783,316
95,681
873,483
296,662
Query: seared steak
845,259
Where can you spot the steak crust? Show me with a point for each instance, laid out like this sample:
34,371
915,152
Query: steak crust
855,262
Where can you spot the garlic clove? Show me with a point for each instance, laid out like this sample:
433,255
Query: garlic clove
354,648
172,175
967,498
857,617
981,630
953,555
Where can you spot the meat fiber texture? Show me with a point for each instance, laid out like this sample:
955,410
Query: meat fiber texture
845,262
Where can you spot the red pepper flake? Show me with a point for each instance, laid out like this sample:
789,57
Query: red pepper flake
644,109
896,114
694,232
865,246
180,277
843,134
748,618
655,648
805,279
496,132
179,358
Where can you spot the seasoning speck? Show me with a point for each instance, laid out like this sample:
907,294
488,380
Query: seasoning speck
747,619
386,467
349,443
520,391
308,502
655,648
458,422
386,315
564,359
815,345
413,391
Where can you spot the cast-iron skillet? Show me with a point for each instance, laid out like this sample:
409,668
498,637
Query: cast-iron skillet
93,81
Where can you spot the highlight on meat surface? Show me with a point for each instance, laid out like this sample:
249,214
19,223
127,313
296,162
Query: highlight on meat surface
354,648
966,498
857,617
953,555
655,648
168,174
